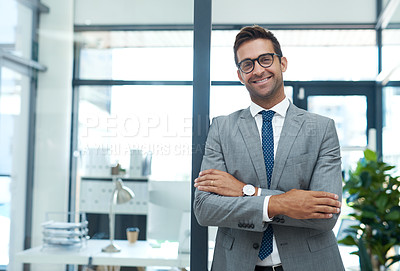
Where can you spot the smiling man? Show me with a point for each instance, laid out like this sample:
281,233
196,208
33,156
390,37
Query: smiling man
271,174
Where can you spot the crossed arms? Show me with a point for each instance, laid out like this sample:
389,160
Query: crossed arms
297,204
219,200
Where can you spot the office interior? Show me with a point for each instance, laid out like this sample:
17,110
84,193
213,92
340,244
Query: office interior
87,85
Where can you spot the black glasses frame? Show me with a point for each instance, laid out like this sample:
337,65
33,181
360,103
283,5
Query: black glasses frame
258,60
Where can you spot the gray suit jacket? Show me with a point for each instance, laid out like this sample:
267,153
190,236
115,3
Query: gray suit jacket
308,157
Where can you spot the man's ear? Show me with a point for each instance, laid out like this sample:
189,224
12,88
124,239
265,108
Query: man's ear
284,63
239,74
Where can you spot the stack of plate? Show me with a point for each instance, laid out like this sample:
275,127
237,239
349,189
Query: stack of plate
65,234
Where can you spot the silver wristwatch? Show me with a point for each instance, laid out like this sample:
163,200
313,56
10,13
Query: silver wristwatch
249,190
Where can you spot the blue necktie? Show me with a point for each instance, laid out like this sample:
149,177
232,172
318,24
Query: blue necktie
267,135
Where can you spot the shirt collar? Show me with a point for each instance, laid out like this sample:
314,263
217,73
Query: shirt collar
280,108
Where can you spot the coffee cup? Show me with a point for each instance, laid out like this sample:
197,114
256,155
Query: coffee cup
132,234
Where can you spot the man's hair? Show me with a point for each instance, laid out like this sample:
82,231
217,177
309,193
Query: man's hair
252,33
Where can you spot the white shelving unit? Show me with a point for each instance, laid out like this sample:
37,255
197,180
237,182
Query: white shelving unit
95,196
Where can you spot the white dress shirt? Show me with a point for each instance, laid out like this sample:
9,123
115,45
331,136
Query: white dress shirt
277,124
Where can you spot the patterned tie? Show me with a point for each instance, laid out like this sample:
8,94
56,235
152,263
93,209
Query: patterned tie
267,135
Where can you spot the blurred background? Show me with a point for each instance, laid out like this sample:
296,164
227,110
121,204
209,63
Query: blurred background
91,84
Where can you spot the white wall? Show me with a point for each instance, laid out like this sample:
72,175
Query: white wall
396,15
145,12
53,117
141,12
293,11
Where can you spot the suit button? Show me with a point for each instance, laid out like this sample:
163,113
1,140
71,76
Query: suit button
256,245
282,220
252,226
240,225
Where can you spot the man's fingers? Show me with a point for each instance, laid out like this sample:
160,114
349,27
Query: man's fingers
205,172
320,215
326,210
328,202
302,204
206,178
210,171
323,194
205,181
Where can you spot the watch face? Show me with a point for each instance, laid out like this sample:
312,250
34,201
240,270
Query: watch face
249,190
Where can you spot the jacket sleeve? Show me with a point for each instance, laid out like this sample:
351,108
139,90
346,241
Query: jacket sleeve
214,210
326,176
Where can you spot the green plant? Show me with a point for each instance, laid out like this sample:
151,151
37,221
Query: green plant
374,195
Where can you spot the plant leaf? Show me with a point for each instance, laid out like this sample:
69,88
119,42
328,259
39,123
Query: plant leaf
348,241
366,179
365,261
394,259
393,215
368,214
381,202
386,168
370,155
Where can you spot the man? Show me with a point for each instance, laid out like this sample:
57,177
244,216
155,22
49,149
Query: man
271,174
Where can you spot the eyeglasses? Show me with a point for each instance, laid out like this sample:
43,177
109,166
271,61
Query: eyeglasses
265,61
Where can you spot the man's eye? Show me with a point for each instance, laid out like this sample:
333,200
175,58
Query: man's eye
265,60
247,65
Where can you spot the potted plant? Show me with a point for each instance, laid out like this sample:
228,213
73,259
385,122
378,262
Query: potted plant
374,195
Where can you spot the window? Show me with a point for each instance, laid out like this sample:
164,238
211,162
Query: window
137,55
154,119
18,73
390,54
391,146
16,25
134,98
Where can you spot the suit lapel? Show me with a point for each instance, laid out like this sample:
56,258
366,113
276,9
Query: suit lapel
290,130
248,129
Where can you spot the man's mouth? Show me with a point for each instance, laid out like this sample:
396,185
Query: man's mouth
262,80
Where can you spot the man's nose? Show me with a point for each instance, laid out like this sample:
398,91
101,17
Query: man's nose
258,68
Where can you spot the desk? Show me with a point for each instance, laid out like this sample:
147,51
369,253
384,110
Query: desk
141,253
137,254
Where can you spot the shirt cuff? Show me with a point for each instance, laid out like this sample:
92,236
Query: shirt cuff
265,210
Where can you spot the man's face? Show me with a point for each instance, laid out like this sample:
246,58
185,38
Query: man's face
265,85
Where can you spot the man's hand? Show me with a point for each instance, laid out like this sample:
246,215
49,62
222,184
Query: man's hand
219,182
302,204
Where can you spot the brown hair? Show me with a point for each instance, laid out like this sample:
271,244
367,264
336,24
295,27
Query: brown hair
252,33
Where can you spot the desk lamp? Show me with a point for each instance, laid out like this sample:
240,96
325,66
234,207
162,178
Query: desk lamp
120,195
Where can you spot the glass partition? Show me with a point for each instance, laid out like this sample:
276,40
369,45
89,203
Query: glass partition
137,55
391,96
153,119
391,129
16,27
14,105
390,54
350,116
140,132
